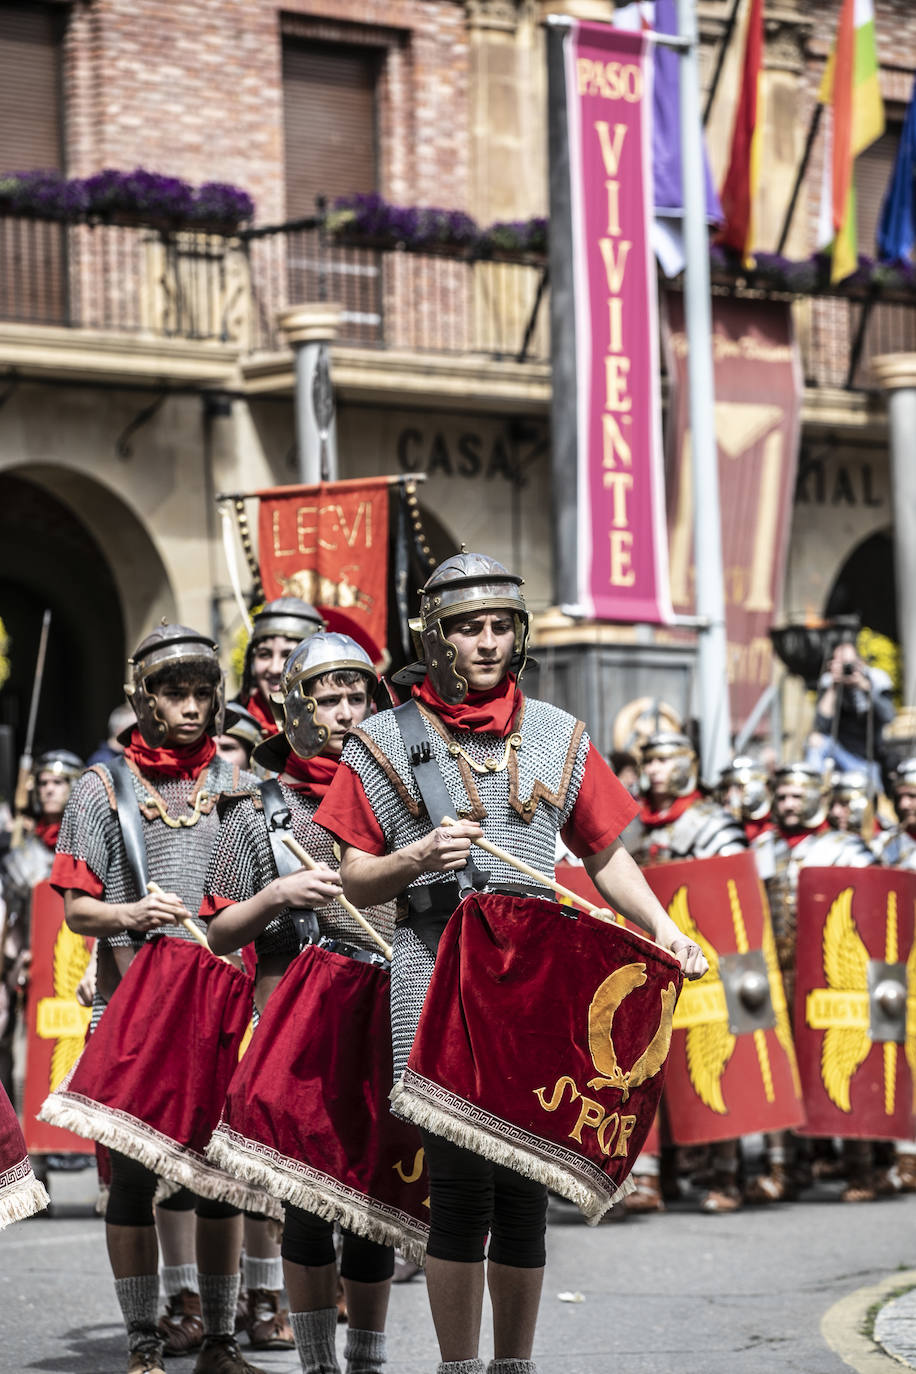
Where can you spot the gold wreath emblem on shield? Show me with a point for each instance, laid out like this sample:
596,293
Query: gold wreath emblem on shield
608,997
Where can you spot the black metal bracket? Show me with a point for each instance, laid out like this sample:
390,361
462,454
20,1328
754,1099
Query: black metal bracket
122,443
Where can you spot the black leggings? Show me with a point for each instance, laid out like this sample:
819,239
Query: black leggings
469,1197
309,1240
133,1187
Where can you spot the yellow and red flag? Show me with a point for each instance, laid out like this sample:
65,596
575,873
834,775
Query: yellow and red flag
852,92
739,189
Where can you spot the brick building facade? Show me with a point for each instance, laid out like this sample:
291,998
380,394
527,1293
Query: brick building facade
111,442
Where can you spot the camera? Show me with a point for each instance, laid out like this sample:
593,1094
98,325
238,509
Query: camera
849,669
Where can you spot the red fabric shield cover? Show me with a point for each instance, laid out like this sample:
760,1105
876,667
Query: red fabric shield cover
852,924
152,1079
56,1024
542,1043
307,1114
20,1192
722,1085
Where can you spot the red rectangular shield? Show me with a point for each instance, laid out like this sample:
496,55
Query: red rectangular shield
55,1022
732,1068
855,1001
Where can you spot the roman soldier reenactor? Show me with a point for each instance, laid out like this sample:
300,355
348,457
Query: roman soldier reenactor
897,846
516,772
26,865
803,837
161,797
275,631
676,822
326,689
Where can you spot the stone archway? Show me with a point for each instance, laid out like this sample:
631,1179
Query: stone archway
69,544
866,585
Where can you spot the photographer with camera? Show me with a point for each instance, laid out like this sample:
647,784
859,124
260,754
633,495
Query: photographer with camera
853,706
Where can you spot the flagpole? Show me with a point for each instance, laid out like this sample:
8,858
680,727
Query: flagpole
712,647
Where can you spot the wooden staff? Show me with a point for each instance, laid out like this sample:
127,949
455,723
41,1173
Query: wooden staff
541,878
307,861
194,931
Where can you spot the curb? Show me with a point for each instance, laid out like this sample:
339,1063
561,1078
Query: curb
842,1327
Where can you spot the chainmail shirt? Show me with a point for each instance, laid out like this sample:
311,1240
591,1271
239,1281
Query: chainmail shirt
520,808
177,858
242,864
704,831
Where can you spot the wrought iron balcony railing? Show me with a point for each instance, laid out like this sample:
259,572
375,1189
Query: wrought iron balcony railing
197,286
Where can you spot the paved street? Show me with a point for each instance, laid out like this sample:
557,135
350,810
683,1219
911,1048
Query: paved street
678,1294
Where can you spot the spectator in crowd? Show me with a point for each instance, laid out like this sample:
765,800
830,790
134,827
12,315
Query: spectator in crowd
121,719
853,706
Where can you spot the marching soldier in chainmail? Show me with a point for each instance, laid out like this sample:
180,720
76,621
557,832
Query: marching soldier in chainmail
676,822
275,631
896,847
745,790
26,865
516,771
171,768
803,837
326,686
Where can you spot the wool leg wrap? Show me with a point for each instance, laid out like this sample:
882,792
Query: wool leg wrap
218,1297
365,1351
315,1334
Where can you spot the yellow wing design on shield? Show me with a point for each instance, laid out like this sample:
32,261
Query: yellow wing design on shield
910,1045
845,967
71,959
711,1044
783,1026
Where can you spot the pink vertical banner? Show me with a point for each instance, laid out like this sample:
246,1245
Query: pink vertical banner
622,539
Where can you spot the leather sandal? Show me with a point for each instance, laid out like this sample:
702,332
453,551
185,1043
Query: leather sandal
268,1326
180,1326
646,1196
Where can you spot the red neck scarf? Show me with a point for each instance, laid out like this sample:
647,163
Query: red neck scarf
48,831
187,761
753,829
492,712
795,836
262,713
311,777
651,819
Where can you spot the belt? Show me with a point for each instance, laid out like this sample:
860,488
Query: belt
426,910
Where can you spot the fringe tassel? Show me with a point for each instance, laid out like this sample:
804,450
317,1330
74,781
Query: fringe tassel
592,1202
124,1133
22,1200
239,1157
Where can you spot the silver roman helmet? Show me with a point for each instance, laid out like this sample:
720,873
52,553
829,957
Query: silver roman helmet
288,616
61,762
465,584
812,784
904,775
751,781
171,646
294,705
852,789
669,744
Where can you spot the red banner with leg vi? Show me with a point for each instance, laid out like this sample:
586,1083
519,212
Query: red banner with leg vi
328,544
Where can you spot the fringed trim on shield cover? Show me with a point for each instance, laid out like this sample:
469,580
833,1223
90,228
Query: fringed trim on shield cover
122,1132
21,1197
414,1101
304,1188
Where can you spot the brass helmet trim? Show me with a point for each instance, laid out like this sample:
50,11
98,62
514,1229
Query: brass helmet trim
812,784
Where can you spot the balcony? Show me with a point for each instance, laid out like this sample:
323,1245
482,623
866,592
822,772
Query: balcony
186,304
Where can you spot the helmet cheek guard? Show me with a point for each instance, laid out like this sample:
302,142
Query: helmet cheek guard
440,655
306,737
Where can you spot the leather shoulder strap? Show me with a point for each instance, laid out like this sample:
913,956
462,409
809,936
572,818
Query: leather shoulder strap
131,822
431,783
279,822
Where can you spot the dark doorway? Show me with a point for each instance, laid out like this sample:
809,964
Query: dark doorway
865,586
48,559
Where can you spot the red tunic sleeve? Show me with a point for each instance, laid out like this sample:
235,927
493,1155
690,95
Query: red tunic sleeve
346,812
74,875
213,904
603,808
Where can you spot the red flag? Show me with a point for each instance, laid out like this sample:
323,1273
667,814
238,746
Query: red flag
740,185
328,544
